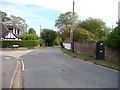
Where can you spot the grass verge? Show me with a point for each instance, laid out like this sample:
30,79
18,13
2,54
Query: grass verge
107,63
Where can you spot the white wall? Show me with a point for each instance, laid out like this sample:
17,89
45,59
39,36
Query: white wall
67,46
10,35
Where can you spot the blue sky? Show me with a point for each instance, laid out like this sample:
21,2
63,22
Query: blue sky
45,12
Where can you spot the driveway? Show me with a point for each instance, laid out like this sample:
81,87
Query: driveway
50,68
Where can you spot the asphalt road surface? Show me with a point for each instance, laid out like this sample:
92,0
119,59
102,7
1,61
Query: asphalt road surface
50,68
8,63
8,67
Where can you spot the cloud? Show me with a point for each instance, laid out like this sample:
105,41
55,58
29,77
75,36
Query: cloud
45,12
33,14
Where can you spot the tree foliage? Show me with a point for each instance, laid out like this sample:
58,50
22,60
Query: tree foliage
64,21
19,23
15,21
4,17
113,39
58,41
63,34
82,34
48,36
95,26
26,36
31,31
30,35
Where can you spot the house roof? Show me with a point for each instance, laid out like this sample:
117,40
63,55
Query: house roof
67,40
3,30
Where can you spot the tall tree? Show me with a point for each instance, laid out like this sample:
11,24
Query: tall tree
4,17
64,21
96,26
31,31
19,23
63,34
113,39
48,36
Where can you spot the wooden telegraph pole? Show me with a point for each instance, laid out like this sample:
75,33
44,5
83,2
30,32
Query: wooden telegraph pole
72,30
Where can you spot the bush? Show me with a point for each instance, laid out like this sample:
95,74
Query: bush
29,36
23,43
82,34
57,41
113,39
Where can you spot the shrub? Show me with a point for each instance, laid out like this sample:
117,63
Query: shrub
57,41
82,34
29,36
23,43
113,39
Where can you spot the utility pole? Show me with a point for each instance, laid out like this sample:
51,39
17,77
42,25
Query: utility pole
40,35
72,30
40,30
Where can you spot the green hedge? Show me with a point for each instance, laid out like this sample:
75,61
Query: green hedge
23,43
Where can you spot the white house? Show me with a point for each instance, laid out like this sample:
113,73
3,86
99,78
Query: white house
9,32
67,44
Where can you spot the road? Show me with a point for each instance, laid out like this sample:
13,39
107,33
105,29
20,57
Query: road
50,68
8,68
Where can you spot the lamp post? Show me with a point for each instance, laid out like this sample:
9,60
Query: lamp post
72,30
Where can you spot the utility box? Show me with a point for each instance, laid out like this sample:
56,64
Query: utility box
100,50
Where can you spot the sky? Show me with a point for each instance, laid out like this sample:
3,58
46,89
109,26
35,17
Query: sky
45,12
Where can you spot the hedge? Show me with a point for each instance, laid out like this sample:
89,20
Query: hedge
23,43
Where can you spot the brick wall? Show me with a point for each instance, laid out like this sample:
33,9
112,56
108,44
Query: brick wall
85,47
89,47
112,54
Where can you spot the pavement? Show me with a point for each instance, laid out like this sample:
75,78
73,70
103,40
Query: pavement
15,52
50,68
8,68
8,63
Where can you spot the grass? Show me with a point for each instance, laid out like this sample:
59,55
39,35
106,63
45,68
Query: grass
86,57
